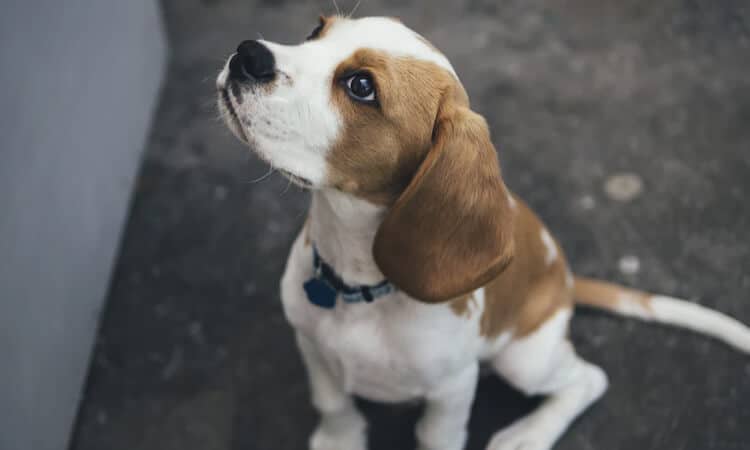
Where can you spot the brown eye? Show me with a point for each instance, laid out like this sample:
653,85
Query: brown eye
361,87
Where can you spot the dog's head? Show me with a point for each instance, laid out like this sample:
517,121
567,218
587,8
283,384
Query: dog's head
369,107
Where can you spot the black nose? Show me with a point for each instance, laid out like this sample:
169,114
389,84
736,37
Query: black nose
253,62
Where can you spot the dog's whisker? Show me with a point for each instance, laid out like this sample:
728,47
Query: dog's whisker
335,5
288,185
206,79
264,176
356,6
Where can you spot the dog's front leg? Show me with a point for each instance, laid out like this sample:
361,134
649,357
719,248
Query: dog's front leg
341,426
443,425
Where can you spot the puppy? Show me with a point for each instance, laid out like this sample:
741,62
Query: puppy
416,262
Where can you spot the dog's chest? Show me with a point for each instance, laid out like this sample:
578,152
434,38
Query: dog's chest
392,350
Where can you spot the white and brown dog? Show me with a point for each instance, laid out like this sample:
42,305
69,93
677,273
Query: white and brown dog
417,263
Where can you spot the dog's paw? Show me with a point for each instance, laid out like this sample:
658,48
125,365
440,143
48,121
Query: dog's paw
326,439
522,435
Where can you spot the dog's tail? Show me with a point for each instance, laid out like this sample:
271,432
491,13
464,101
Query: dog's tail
628,302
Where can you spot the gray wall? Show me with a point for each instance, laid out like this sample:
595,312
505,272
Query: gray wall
78,82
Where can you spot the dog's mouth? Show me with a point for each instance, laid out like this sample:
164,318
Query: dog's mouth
233,117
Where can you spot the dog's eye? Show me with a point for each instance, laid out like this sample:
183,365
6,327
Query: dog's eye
361,87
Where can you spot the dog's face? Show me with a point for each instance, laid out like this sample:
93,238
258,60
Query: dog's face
352,107
369,107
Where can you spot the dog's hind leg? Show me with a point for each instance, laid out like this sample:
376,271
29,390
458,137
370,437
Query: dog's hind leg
545,363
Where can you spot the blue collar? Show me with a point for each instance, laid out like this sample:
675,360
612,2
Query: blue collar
325,285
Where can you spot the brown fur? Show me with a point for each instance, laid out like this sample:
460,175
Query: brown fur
326,22
446,235
450,228
382,145
529,291
604,295
461,305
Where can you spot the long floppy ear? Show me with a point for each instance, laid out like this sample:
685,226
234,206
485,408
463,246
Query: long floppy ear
451,230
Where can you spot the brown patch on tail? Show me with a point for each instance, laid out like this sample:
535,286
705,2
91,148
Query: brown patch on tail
608,296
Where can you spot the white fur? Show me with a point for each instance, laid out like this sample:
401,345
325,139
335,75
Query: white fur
685,314
388,350
478,305
545,363
511,201
293,124
549,245
628,305
701,319
345,242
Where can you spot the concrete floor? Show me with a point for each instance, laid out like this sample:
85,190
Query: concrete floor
194,353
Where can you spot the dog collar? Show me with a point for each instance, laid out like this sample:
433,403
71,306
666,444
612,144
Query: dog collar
323,288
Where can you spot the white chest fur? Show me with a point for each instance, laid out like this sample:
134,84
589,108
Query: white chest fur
393,349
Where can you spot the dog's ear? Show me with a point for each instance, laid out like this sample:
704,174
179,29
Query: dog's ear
451,230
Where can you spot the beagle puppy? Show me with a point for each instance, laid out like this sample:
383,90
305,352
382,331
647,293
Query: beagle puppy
416,262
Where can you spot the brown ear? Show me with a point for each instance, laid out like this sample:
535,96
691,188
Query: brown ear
450,231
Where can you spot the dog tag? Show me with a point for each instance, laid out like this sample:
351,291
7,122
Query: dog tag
320,293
